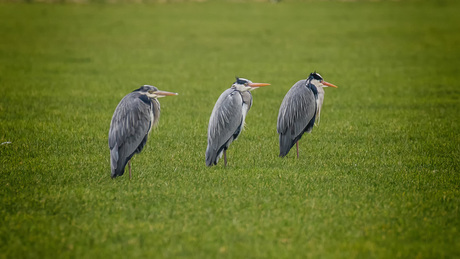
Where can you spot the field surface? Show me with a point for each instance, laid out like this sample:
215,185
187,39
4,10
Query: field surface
377,178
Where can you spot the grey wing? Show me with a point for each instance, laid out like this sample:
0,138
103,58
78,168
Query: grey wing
225,123
296,115
297,109
130,125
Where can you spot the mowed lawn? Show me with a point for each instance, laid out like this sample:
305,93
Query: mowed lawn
378,178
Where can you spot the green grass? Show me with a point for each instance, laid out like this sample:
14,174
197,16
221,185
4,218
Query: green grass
379,177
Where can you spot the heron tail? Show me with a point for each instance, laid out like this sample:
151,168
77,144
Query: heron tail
116,166
286,143
114,161
212,157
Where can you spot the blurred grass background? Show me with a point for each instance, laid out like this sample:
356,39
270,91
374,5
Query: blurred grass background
378,177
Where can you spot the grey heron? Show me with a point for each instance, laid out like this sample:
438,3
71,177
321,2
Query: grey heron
227,118
131,124
300,108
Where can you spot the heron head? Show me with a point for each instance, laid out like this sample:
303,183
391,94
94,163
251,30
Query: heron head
153,92
317,80
243,84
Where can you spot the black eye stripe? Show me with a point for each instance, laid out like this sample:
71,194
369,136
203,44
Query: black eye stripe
316,76
241,82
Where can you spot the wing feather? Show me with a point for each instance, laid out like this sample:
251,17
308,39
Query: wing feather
297,109
130,124
225,121
296,115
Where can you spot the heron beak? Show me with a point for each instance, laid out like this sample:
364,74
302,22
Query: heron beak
164,93
255,85
328,84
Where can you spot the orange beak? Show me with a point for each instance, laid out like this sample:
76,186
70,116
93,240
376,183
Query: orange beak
328,84
258,84
164,93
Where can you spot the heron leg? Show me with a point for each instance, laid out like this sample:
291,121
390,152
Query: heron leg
225,157
129,167
297,146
